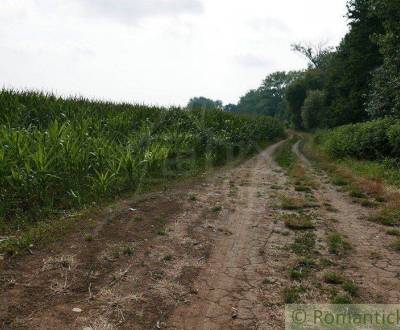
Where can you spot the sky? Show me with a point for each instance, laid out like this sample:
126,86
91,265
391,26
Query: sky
160,52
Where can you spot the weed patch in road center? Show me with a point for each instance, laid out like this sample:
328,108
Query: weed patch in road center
338,245
300,221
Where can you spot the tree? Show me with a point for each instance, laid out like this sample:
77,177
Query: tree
315,53
350,71
296,93
384,94
204,103
313,110
295,96
268,99
230,107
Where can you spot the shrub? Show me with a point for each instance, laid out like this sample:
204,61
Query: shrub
371,140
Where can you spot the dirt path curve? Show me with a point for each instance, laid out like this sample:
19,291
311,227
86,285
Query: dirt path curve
372,264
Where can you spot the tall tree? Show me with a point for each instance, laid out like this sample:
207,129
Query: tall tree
384,96
268,99
352,66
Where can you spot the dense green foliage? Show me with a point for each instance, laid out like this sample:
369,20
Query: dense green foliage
296,94
375,139
384,97
269,98
310,111
360,79
59,153
201,102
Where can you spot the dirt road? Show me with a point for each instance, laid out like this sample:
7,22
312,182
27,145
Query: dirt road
213,253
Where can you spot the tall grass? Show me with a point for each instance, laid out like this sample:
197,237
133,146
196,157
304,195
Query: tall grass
57,154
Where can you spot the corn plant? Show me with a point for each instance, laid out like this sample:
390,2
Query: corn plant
56,154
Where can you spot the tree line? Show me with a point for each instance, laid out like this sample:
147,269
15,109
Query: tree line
357,81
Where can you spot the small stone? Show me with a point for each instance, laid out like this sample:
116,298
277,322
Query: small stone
77,310
194,291
234,313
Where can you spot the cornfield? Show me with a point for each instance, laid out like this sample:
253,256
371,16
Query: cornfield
57,154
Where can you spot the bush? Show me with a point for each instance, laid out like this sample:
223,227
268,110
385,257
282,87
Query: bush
371,140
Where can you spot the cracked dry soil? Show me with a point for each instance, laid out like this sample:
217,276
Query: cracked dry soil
208,254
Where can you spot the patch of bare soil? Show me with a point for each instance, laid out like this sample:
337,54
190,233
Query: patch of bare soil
232,292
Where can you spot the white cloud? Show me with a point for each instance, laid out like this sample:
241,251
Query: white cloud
130,11
173,50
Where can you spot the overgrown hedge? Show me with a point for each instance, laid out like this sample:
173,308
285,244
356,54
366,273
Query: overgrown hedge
371,140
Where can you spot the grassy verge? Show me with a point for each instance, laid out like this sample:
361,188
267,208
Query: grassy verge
373,170
368,183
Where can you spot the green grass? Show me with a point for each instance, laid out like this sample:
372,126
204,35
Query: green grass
302,188
393,232
338,181
356,193
88,237
168,257
192,198
127,250
137,218
341,299
276,187
217,209
304,243
333,278
387,216
284,156
337,244
396,244
325,262
162,232
374,169
351,288
122,250
298,221
301,269
368,149
367,203
37,235
291,295
291,203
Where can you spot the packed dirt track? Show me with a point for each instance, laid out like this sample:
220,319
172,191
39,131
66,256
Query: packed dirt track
213,253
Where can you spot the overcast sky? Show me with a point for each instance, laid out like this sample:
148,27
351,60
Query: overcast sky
158,51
